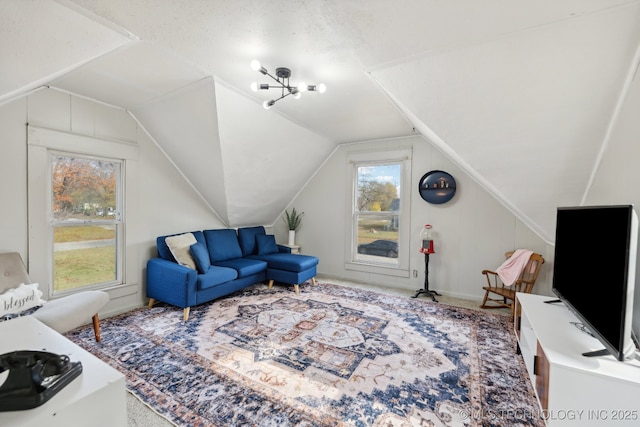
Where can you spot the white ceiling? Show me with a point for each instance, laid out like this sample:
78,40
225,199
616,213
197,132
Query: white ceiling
520,94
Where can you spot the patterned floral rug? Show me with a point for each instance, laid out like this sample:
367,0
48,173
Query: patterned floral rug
331,356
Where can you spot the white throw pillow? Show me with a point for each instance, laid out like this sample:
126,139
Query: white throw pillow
22,298
179,246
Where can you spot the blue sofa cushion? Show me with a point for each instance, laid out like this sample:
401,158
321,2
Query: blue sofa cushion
163,250
222,244
247,238
245,267
266,244
288,262
200,255
215,276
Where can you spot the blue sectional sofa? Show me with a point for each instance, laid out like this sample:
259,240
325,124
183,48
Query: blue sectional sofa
200,266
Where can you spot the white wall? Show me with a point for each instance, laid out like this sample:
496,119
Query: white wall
163,202
618,175
473,230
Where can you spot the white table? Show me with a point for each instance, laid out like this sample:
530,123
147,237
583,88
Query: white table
295,249
573,390
97,397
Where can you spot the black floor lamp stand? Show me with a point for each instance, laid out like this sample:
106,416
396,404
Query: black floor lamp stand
426,290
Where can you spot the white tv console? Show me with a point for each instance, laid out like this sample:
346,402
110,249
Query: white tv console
573,390
97,397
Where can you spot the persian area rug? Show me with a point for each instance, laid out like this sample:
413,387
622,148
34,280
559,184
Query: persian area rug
331,356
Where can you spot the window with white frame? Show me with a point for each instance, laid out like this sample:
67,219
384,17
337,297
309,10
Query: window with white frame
85,223
378,210
78,187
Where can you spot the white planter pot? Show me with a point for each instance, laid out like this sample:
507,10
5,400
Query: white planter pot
292,237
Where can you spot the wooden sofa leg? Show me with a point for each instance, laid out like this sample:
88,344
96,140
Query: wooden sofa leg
297,289
96,327
151,302
270,283
185,314
313,281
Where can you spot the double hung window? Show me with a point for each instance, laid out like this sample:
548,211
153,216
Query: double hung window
379,211
85,221
376,216
77,190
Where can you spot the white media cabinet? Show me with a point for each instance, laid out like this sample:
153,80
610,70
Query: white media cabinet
96,398
573,390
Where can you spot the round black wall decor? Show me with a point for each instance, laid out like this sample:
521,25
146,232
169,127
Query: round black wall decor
437,187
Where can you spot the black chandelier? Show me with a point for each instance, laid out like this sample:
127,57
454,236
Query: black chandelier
282,78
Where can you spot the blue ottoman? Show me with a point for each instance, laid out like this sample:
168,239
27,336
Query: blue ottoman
282,265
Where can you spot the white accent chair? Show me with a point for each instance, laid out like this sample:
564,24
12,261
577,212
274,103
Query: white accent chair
61,314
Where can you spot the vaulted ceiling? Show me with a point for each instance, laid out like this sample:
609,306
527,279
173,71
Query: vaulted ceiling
522,95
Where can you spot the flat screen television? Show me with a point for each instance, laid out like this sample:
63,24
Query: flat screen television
594,271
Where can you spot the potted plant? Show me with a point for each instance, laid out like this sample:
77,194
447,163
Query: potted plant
293,221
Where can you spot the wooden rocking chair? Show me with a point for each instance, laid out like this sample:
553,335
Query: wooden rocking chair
507,294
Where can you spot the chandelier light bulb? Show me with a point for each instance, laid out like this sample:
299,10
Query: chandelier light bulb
322,88
268,104
255,65
302,87
254,86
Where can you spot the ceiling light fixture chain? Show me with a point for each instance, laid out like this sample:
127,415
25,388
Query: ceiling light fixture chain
282,78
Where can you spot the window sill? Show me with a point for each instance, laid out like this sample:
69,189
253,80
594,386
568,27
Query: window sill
377,269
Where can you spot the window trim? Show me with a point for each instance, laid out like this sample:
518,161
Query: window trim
40,142
354,159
